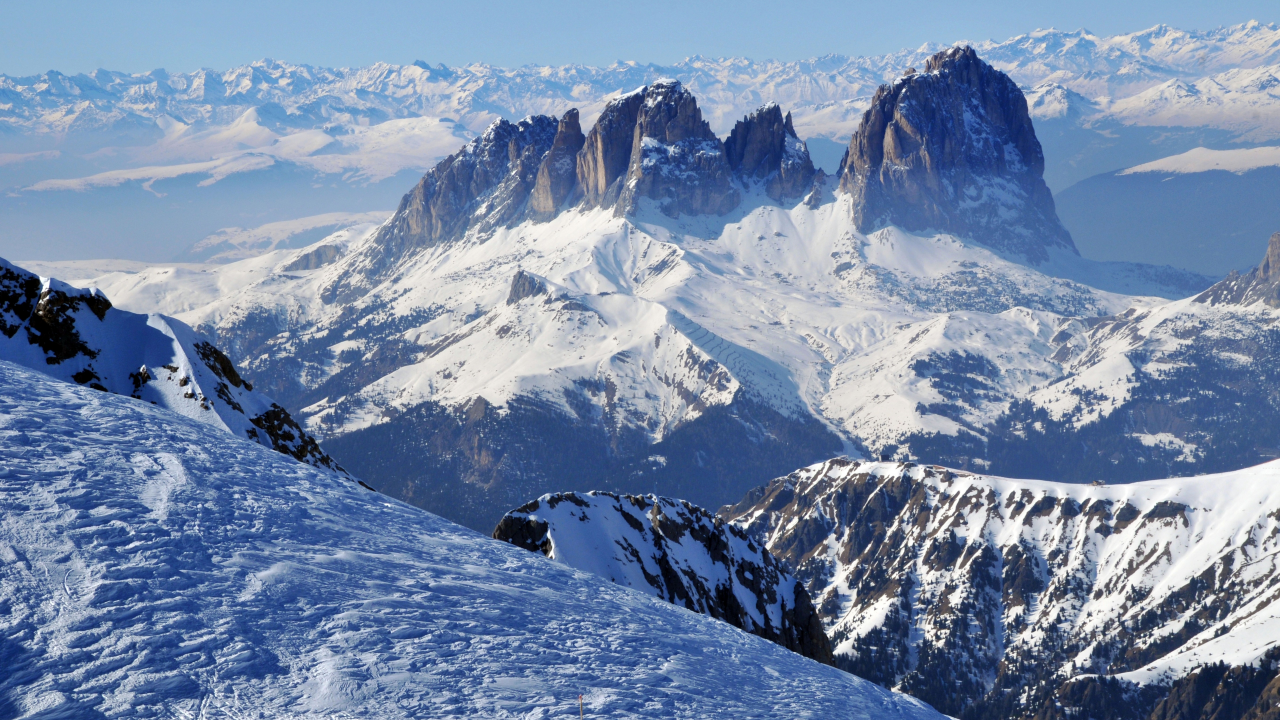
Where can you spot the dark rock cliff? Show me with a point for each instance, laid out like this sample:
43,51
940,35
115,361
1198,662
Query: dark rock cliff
678,552
676,160
764,147
606,153
558,172
1001,599
483,186
952,149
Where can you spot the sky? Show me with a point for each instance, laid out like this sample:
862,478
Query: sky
141,35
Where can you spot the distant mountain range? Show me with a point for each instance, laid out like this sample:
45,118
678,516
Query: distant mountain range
217,145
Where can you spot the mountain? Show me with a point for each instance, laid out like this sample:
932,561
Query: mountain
148,164
669,313
998,598
1199,209
952,150
153,568
76,336
1171,389
679,553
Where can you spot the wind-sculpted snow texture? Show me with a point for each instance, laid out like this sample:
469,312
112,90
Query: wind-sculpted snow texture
76,335
988,596
676,551
149,569
952,149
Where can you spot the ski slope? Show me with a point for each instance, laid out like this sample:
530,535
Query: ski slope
149,567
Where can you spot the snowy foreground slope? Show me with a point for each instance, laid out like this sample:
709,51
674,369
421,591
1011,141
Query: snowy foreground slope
150,567
76,335
968,590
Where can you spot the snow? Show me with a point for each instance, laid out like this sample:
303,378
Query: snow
1224,526
787,304
148,568
1204,160
629,539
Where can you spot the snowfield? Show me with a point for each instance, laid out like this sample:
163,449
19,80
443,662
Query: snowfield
150,566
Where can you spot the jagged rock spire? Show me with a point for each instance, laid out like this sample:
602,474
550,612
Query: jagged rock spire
557,174
606,154
952,149
676,160
764,147
1261,284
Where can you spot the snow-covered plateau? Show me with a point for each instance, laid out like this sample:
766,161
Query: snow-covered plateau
151,568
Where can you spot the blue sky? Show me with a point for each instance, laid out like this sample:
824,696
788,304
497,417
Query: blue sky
140,35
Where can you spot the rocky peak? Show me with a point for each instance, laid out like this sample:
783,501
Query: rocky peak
764,147
1261,284
677,551
558,171
606,153
483,186
952,149
676,160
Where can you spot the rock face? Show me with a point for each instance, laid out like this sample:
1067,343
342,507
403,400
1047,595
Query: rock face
988,597
648,144
764,147
676,160
483,186
606,153
952,149
76,335
1261,284
676,551
558,173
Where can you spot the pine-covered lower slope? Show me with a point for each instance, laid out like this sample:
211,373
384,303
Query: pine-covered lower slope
149,568
998,598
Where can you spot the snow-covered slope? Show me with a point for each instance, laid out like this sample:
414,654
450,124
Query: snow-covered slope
677,552
993,594
149,568
76,335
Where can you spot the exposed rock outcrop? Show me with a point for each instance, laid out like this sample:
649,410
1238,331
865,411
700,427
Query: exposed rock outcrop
525,284
952,149
483,186
678,552
606,153
676,160
763,147
558,172
1261,284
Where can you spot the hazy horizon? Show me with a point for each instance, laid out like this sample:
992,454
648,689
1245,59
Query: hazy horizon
139,36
